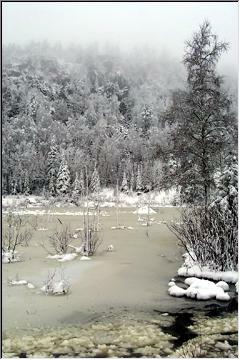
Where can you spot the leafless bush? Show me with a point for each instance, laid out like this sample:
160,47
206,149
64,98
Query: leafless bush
53,286
61,239
90,240
18,231
211,233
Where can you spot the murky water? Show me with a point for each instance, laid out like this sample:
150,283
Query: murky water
118,305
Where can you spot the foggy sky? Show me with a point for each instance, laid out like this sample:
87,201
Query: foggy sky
163,26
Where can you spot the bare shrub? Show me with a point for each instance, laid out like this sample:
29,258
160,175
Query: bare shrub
54,286
90,240
211,233
61,239
18,231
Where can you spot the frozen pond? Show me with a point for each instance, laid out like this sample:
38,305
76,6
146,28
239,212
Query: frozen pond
118,301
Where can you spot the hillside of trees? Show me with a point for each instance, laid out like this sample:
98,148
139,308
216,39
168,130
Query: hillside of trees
122,115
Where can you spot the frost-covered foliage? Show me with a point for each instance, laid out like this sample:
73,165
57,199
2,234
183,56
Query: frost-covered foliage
76,189
227,187
139,186
52,167
95,182
63,178
203,124
110,112
211,233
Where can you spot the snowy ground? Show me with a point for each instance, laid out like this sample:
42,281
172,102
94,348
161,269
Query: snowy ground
107,199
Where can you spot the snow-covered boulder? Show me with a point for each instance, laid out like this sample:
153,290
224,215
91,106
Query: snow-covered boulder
223,285
200,289
176,291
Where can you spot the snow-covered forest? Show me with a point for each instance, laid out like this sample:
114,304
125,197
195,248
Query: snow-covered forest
119,182
127,115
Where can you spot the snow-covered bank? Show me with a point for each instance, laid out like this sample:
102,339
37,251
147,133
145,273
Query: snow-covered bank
198,287
107,198
190,267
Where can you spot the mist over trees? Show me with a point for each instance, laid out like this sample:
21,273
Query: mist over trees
134,117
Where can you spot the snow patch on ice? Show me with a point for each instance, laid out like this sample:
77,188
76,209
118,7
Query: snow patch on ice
144,211
67,257
83,258
18,282
62,257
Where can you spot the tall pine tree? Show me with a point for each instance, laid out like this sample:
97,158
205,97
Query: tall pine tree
63,178
199,116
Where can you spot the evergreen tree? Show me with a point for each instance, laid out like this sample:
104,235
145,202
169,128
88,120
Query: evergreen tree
52,167
95,182
63,178
124,186
139,186
200,115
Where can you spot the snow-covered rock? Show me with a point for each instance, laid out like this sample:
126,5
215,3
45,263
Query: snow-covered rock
176,291
223,285
200,289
